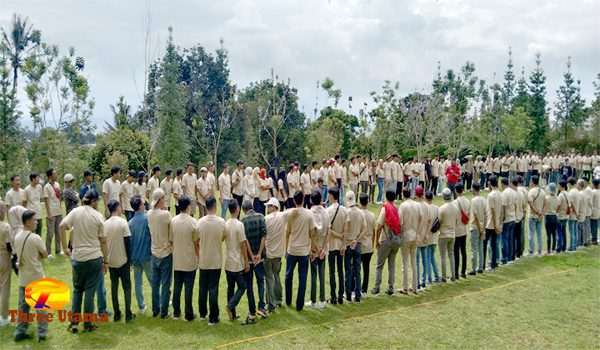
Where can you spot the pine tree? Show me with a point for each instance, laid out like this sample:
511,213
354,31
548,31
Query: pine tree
569,105
172,146
538,139
508,89
521,98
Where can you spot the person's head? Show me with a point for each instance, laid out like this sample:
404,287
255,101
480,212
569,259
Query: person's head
515,181
131,175
168,173
34,178
406,193
429,196
535,180
158,199
447,194
306,168
141,177
15,181
115,172
314,164
114,207
350,199
88,176
363,199
29,221
91,198
51,175
234,208
519,179
184,203
581,183
272,205
225,168
179,172
69,179
203,172
562,184
211,205
596,183
137,203
390,196
419,191
475,187
334,194
247,206
190,168
504,182
571,180
459,189
299,198
316,198
493,181
551,188
156,171
453,161
240,164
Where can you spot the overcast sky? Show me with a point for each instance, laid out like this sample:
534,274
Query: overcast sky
359,44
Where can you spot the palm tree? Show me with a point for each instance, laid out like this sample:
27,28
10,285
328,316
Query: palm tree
19,41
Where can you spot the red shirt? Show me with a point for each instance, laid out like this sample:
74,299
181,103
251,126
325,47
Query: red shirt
453,173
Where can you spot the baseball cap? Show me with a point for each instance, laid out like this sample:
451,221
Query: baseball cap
69,177
419,191
157,195
350,199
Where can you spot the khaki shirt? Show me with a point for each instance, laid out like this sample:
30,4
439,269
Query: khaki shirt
478,210
225,186
13,197
449,219
235,236
536,197
184,231
34,196
203,188
29,255
53,201
88,227
356,225
212,234
322,222
409,213
301,222
153,184
111,188
188,185
159,222
127,192
238,188
337,223
5,237
276,223
115,230
366,242
494,203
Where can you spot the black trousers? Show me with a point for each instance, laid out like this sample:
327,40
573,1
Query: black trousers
399,190
492,238
183,279
239,200
460,255
434,185
307,201
468,180
518,246
120,274
335,257
365,259
209,292
551,228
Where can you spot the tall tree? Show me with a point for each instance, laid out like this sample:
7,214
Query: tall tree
570,105
538,139
335,94
594,116
121,111
508,89
18,41
172,146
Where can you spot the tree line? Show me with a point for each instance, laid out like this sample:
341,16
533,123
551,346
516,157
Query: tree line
193,111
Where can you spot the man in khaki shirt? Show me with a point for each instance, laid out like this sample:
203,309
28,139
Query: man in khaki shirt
355,226
188,185
317,258
338,220
237,183
493,224
167,185
15,196
410,217
202,191
178,189
154,182
159,221
449,217
118,242
52,199
225,190
33,197
111,187
212,234
184,230
127,191
275,250
236,264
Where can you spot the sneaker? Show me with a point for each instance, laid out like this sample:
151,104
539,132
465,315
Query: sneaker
202,318
472,273
390,291
321,305
23,336
117,317
479,271
212,323
129,318
41,338
375,291
50,256
176,318
143,310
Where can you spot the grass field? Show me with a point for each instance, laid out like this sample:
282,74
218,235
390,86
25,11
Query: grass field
550,302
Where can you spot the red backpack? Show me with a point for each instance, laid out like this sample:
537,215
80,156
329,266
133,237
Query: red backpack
392,219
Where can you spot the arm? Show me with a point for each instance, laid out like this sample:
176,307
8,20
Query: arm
63,237
244,256
104,248
127,242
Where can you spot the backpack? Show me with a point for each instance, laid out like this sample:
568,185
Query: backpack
464,217
435,225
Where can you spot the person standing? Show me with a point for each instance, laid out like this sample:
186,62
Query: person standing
264,187
434,213
550,208
536,198
317,258
573,202
355,226
141,251
380,182
30,252
236,264
452,176
178,189
225,190
237,185
410,219
255,230
167,185
366,242
154,182
353,174
111,188
521,210
449,219
563,217
477,221
275,249
460,237
126,194
301,227
188,187
387,242
435,174
70,196
185,234
6,259
52,199
493,223
338,220
202,191
118,242
33,197
509,207
595,217
212,234
423,238
88,256
306,187
88,183
15,196
159,222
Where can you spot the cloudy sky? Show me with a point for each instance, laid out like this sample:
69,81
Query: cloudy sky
359,44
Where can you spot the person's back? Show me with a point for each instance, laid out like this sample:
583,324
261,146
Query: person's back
300,223
409,219
158,222
140,237
184,233
275,238
87,224
449,217
212,234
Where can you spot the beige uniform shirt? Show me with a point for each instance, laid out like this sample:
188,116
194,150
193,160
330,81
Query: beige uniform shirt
301,223
356,225
424,228
275,238
449,218
410,216
366,242
337,223
88,227
127,192
188,185
5,237
115,230
237,178
494,207
305,183
111,188
13,197
535,198
29,255
203,188
212,234
235,236
509,204
167,186
34,196
225,186
478,210
53,201
322,222
159,222
153,184
184,231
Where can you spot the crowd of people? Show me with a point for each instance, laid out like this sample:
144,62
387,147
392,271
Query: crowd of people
311,216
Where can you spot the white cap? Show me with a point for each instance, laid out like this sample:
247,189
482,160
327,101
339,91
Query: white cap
350,199
157,195
69,177
273,202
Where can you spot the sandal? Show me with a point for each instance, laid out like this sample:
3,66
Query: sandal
249,321
90,328
72,328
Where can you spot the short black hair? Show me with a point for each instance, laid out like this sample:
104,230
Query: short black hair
562,183
459,188
115,169
183,203
493,181
178,172
390,196
113,205
211,203
596,182
155,169
335,193
239,162
504,181
535,179
49,172
232,207
475,187
132,173
406,193
298,197
515,181
90,196
27,215
316,198
12,178
571,180
87,173
519,179
363,199
168,172
429,195
136,202
314,162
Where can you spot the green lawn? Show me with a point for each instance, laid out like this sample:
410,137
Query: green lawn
538,302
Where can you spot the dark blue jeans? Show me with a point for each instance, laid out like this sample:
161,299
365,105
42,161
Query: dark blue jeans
234,296
561,239
492,238
85,282
508,241
352,268
162,273
291,262
257,271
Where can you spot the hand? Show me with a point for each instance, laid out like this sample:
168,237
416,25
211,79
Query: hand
67,251
322,254
255,259
498,231
104,267
353,244
246,267
343,251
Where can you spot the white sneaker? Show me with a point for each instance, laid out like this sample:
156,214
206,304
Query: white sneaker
143,310
4,321
50,256
321,305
